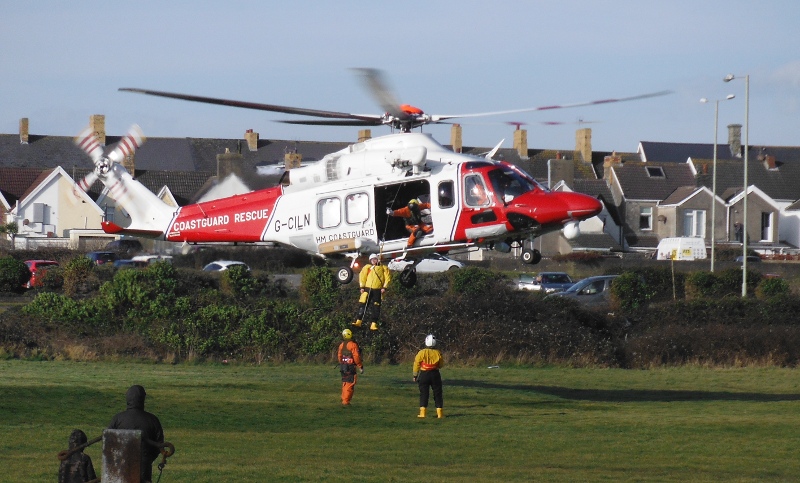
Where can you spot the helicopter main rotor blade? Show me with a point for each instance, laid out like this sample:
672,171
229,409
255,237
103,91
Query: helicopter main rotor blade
333,122
377,86
251,105
557,106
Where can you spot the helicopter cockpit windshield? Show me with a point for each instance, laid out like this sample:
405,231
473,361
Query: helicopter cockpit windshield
508,184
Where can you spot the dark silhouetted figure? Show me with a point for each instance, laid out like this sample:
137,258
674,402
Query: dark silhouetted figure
77,468
135,417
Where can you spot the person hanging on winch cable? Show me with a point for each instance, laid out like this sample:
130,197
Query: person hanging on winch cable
349,355
417,217
374,280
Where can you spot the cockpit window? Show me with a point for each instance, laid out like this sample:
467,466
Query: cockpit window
475,191
509,184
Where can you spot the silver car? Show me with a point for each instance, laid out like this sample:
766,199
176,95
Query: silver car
592,292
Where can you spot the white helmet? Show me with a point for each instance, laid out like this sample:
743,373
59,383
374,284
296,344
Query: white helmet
430,341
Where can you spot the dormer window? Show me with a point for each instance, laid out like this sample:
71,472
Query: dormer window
655,171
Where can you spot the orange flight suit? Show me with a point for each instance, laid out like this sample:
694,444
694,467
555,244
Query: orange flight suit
349,360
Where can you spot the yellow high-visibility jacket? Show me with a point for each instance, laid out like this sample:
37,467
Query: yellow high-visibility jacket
375,277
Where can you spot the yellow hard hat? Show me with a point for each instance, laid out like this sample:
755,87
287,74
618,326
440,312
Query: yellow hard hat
347,334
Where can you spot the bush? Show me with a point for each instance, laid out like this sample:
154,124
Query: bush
588,258
473,281
630,292
14,274
772,287
78,276
320,289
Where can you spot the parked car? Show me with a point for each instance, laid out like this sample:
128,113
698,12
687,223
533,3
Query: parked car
101,258
592,292
124,246
37,269
151,259
222,265
129,264
432,263
547,282
750,259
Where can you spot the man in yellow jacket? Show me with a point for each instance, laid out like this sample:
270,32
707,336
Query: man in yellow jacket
373,279
426,375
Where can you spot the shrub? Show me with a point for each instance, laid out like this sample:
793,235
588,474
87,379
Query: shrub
319,289
588,258
630,292
472,281
14,274
78,276
772,287
237,282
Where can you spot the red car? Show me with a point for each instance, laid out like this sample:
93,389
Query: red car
37,268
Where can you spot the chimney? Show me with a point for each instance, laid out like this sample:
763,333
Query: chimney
521,142
609,162
129,163
583,145
252,140
292,159
23,130
455,138
735,139
769,162
364,134
97,122
229,163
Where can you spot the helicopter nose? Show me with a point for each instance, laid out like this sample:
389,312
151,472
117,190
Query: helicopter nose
581,206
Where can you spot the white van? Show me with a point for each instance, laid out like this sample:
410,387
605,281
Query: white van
681,248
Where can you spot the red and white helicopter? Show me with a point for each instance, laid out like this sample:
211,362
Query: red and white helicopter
337,206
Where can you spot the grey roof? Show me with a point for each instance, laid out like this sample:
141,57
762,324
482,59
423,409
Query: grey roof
780,183
659,152
182,184
680,194
637,185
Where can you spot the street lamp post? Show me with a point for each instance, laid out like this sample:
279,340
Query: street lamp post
714,180
729,78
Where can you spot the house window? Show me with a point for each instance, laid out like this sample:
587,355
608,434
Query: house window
694,223
646,218
766,226
356,207
329,212
655,171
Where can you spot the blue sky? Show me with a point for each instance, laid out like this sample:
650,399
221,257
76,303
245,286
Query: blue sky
63,61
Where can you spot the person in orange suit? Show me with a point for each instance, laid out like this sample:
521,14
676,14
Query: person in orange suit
349,362
426,375
417,223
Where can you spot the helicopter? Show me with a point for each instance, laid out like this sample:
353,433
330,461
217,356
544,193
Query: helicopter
341,205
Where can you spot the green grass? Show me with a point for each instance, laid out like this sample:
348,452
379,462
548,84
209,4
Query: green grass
285,423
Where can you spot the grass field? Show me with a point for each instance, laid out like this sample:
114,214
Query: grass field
284,423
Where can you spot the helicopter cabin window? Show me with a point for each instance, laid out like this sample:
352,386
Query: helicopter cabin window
356,208
446,198
329,212
475,191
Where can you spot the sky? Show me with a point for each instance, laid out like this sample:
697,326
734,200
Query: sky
64,61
